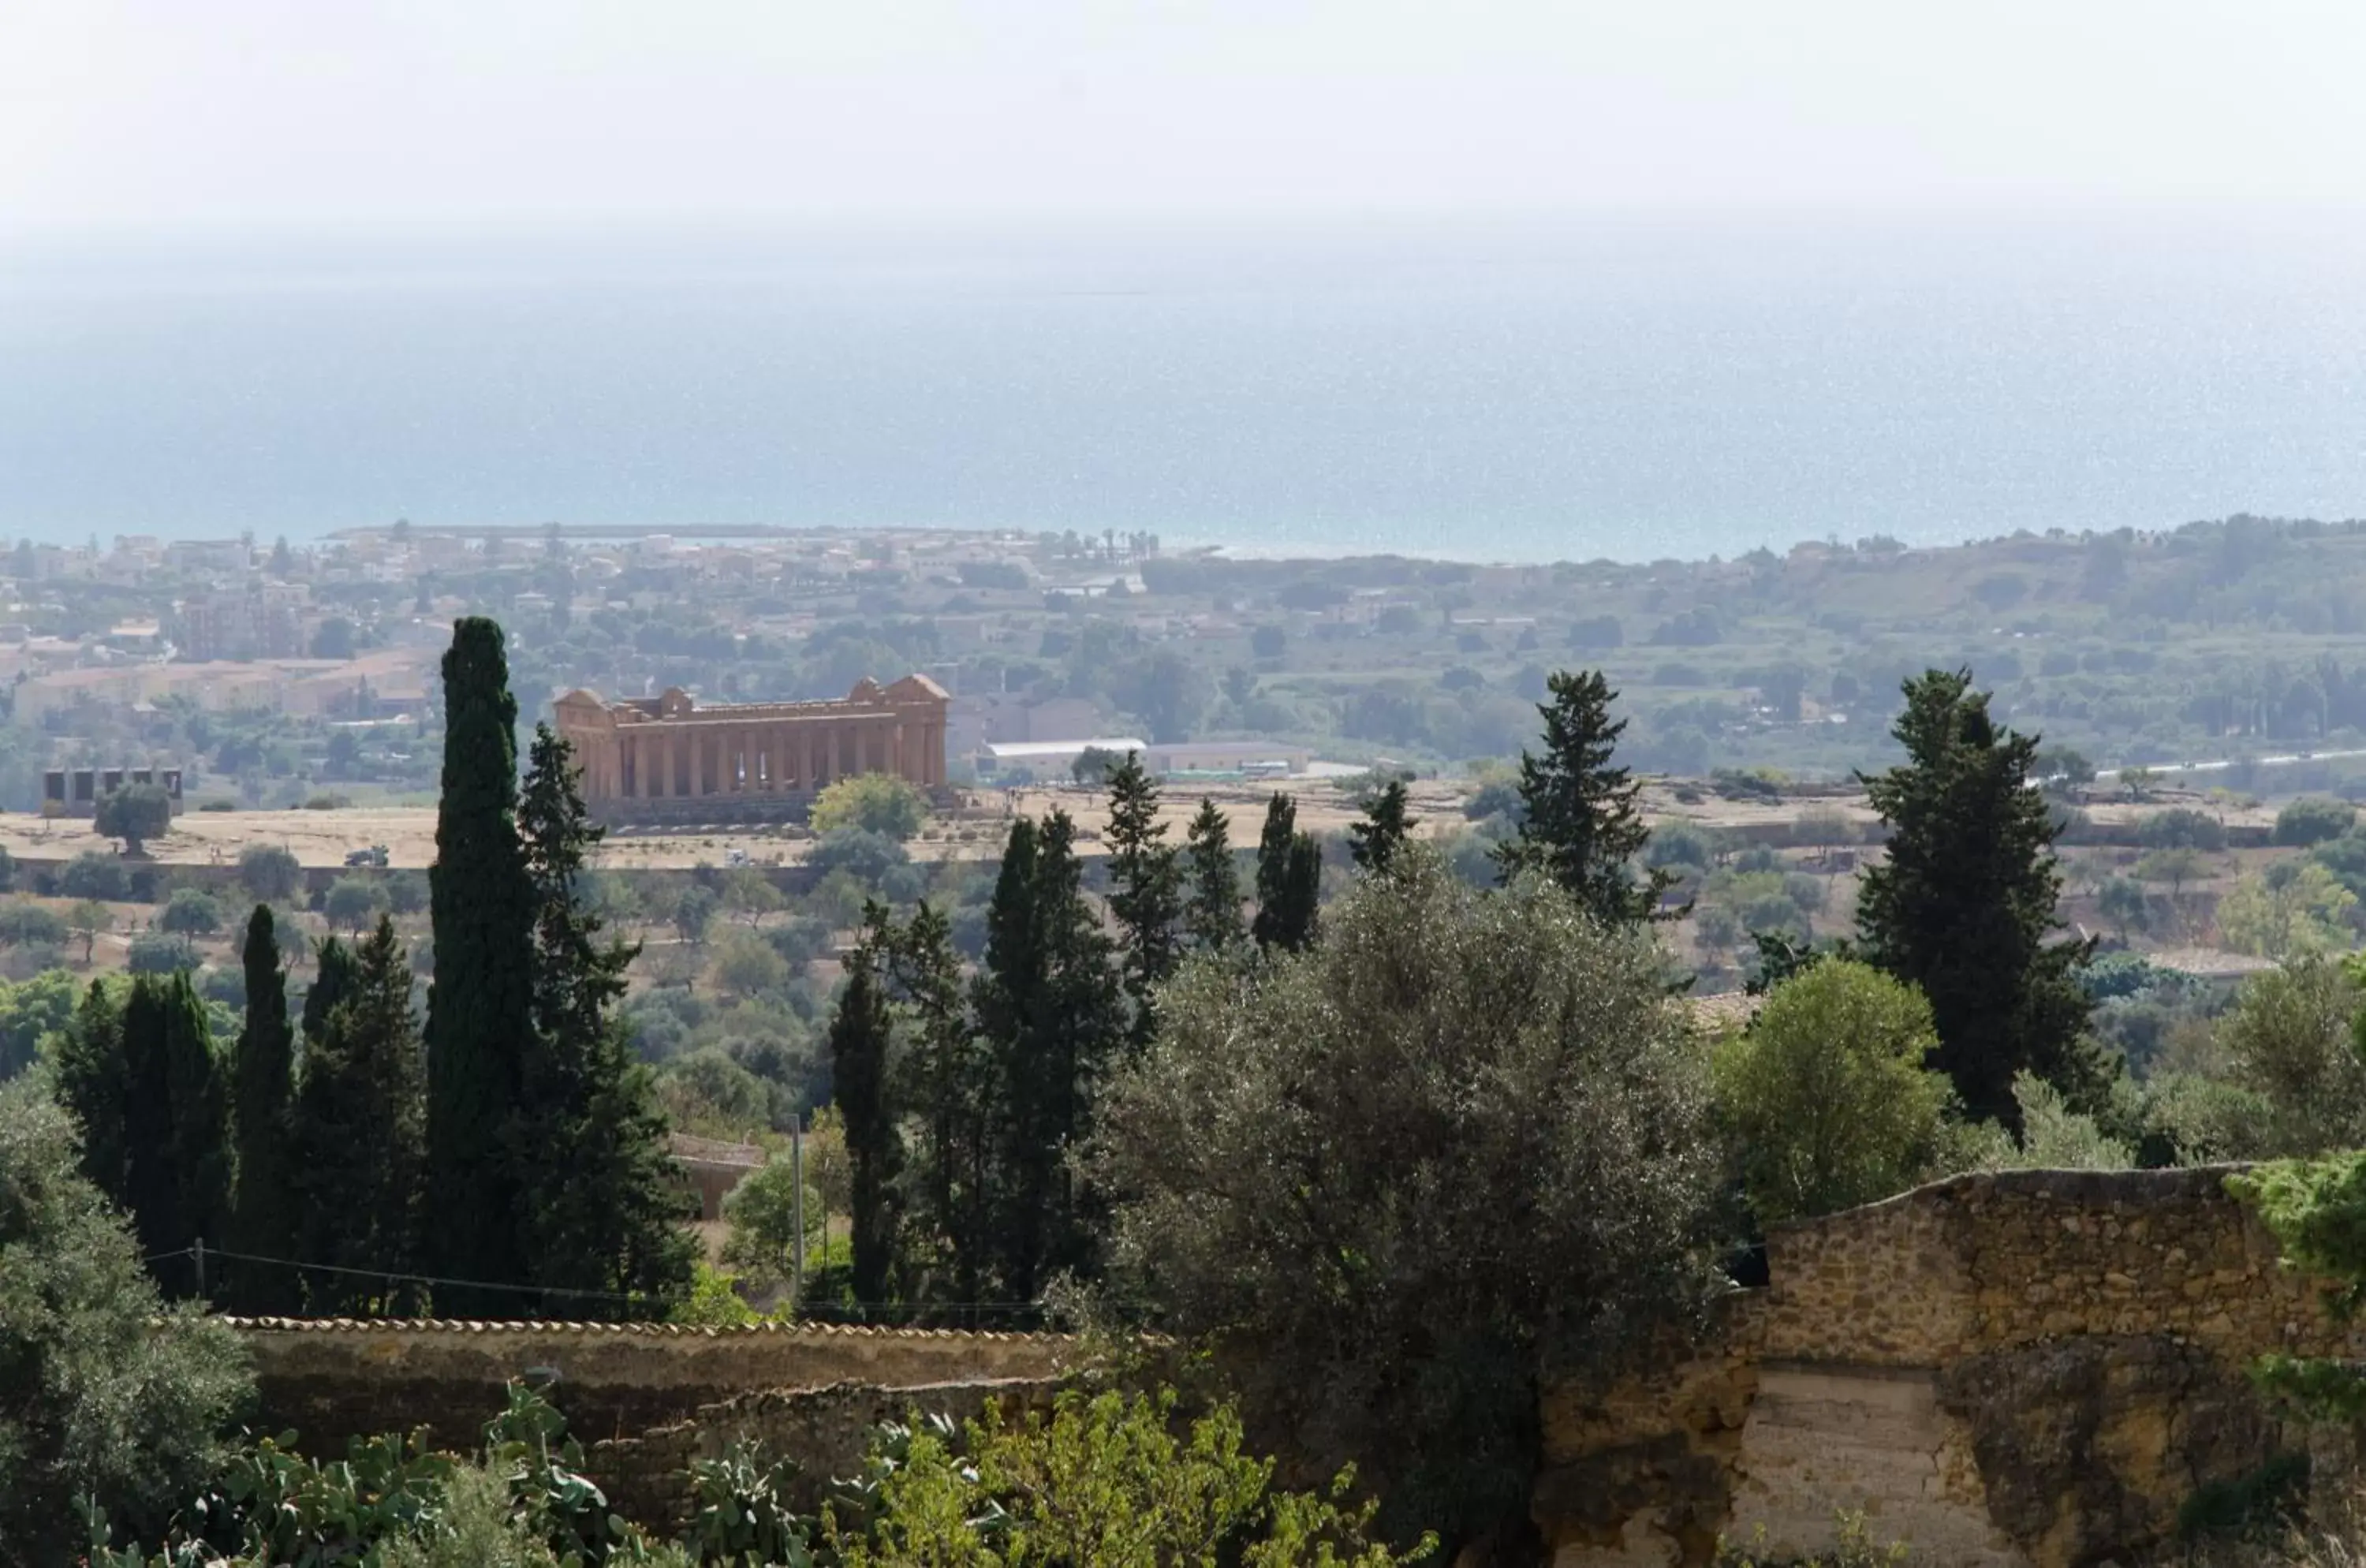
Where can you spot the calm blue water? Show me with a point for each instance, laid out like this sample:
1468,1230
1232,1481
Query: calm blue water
1497,392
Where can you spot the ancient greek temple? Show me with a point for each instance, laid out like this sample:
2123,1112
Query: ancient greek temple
671,759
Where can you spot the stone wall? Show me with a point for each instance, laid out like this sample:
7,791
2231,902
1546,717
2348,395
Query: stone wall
332,1380
2023,1368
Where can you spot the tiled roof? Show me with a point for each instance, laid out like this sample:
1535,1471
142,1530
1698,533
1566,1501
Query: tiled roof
644,1330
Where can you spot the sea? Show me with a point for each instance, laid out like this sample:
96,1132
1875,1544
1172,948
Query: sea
1625,386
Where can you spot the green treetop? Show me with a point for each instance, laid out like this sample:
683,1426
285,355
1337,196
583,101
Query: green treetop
1213,915
1580,826
1146,886
1963,905
1384,830
1289,880
358,1138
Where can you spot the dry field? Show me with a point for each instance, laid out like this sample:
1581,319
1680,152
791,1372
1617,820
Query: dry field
325,838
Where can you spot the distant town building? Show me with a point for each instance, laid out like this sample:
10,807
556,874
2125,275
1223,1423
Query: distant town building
265,621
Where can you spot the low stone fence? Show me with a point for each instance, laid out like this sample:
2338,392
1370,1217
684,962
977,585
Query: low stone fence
331,1379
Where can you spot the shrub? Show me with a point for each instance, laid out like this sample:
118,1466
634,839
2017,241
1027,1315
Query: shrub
876,803
191,912
353,902
1104,1480
1825,1095
864,855
270,872
31,925
2307,822
2182,828
153,952
94,874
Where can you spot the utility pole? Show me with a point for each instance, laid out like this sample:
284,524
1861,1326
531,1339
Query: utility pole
796,1211
198,1251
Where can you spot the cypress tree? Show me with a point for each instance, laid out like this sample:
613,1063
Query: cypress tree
1964,902
858,1030
1581,826
1050,1008
480,1004
358,1136
945,1079
1289,880
94,1080
1146,888
262,1081
334,977
176,1124
601,1213
1384,830
1212,916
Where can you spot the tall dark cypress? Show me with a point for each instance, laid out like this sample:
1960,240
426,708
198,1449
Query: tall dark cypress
859,1032
946,1079
599,1212
334,977
1384,829
1212,913
1146,888
94,1080
1289,880
1963,903
480,1005
358,1136
1051,1007
262,1085
176,1124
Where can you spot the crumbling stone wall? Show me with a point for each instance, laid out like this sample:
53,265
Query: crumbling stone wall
2018,1369
333,1379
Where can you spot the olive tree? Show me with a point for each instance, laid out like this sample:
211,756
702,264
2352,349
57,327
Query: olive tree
1398,1175
105,1395
134,814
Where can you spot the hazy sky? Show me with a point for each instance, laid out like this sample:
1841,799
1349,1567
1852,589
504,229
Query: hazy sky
175,113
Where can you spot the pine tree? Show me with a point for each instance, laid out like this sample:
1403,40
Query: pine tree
1964,902
263,1080
480,1006
1051,1010
1214,914
359,1137
945,1081
859,1032
1580,827
600,1213
1384,830
1289,880
1146,888
176,1124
